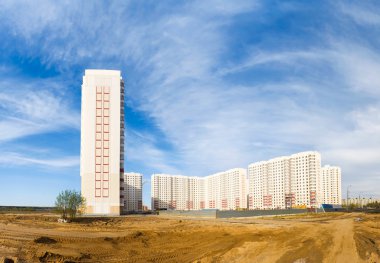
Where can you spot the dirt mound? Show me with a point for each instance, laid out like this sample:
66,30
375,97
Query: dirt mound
45,240
98,221
48,256
8,260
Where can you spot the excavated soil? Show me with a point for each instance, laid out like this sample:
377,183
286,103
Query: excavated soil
332,237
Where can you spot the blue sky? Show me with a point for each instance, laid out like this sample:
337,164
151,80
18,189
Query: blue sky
211,85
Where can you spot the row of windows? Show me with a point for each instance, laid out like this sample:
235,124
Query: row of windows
98,136
98,152
101,176
100,184
103,105
98,192
105,89
103,120
98,168
102,147
98,160
102,113
99,144
106,96
106,128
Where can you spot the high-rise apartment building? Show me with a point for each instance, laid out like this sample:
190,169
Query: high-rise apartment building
132,192
269,184
177,192
305,181
331,185
224,191
102,142
284,182
257,185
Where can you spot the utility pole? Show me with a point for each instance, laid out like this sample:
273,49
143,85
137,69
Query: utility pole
348,196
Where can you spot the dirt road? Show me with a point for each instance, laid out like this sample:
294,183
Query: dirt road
301,238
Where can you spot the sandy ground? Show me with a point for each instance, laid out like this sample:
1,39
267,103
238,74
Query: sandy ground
302,238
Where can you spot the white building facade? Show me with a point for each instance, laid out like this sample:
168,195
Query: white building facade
102,142
331,185
224,191
177,192
132,192
285,182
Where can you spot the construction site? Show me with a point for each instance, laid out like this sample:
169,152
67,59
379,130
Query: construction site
307,237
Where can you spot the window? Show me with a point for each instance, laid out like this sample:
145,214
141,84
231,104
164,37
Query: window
106,120
106,136
98,177
105,168
107,90
98,152
98,120
98,96
106,144
97,192
97,184
98,128
98,112
105,184
98,104
106,112
105,160
97,168
106,152
106,97
105,192
106,105
105,177
98,143
98,136
106,128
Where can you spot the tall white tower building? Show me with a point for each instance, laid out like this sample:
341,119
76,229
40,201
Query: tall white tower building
305,172
331,185
284,182
102,142
132,192
270,184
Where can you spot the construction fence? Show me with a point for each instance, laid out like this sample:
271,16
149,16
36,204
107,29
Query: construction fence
210,213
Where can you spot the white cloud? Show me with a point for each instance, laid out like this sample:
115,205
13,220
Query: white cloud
141,148
12,158
366,15
259,58
33,108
